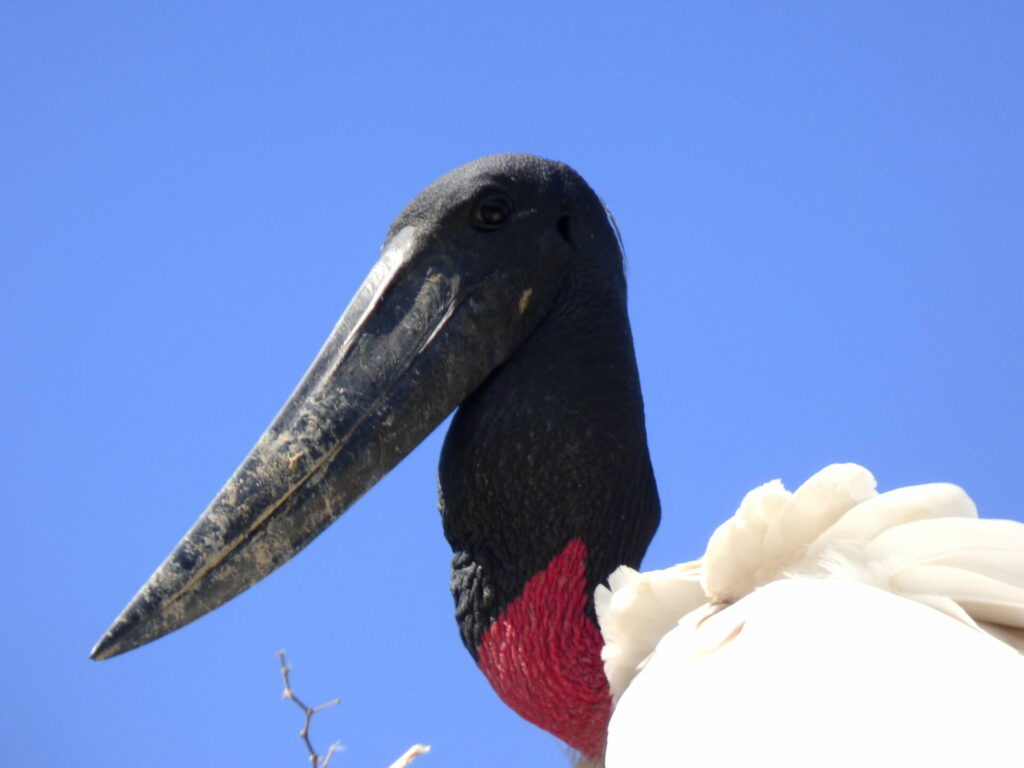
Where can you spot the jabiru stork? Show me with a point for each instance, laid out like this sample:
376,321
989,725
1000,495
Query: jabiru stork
829,626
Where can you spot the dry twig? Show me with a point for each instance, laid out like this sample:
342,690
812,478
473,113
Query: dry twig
314,758
321,762
410,754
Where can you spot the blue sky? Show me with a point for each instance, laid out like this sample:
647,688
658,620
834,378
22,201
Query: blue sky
821,206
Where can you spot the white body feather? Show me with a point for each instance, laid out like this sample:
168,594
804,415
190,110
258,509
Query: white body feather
829,626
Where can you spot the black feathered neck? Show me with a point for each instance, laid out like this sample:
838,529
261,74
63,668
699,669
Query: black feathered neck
552,446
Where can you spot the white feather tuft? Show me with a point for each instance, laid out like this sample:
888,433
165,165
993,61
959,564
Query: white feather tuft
772,529
924,543
636,610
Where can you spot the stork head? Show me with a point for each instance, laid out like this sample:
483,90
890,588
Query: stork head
500,292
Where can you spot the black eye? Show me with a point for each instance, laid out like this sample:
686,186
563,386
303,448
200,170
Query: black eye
492,212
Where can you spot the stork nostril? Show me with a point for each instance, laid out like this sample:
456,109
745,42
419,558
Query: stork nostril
562,225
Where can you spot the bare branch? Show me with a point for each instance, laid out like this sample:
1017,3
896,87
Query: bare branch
314,758
410,754
322,762
335,747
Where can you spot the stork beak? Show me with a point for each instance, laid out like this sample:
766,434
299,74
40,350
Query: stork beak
424,330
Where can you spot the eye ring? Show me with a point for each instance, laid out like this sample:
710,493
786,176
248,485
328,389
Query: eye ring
492,211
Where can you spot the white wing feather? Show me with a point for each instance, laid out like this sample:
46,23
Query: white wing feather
636,610
772,528
840,547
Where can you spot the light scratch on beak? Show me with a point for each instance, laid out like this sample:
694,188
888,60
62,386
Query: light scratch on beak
524,300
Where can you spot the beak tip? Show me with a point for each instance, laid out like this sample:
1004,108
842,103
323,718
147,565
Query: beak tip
108,646
100,651
126,633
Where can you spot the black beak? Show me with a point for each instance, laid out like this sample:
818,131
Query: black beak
430,322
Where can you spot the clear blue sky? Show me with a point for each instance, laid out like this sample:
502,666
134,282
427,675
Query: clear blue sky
822,209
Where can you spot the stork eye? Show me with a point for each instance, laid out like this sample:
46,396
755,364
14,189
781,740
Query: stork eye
492,212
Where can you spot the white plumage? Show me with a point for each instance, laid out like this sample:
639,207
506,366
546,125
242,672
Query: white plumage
828,626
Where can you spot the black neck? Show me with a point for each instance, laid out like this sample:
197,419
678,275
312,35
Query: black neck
552,447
